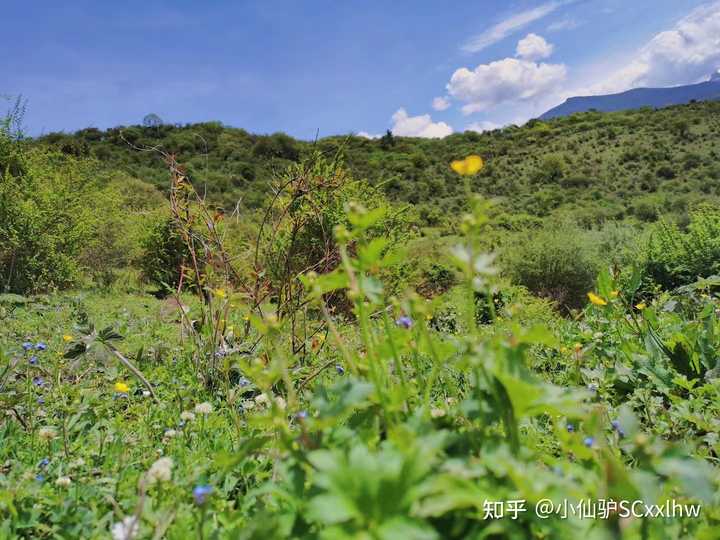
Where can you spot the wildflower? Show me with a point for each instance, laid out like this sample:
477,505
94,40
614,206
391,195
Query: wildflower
67,338
33,360
187,416
44,462
201,494
220,293
40,478
146,393
169,434
577,347
46,433
467,167
593,387
38,381
614,294
437,413
203,408
641,306
615,424
41,400
301,415
63,481
404,322
280,402
41,346
595,299
262,399
160,471
340,370
27,346
570,428
121,387
127,529
589,441
243,382
618,428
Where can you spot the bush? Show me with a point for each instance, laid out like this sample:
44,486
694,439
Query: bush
674,258
555,262
45,215
164,254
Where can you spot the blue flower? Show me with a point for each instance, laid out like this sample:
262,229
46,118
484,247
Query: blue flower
589,441
570,428
339,369
33,360
40,478
41,400
617,427
301,415
44,462
41,346
593,387
27,346
243,381
38,381
201,494
404,322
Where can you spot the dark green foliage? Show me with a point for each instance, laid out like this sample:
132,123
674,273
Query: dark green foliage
164,254
675,257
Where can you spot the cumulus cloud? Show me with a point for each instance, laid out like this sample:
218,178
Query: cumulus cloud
533,47
482,126
506,80
418,126
687,53
509,26
440,103
366,135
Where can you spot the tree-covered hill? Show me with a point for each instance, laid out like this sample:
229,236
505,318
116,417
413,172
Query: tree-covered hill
592,166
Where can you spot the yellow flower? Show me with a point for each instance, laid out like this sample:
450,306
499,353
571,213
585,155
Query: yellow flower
595,299
641,306
577,347
467,167
614,294
246,317
67,338
220,293
121,387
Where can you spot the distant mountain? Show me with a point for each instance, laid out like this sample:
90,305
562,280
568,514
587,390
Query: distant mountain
640,97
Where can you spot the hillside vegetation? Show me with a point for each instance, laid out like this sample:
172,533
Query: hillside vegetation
592,167
530,351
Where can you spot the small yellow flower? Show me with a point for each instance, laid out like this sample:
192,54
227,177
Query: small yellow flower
67,338
467,167
121,387
595,299
564,350
220,293
641,306
615,294
246,317
577,347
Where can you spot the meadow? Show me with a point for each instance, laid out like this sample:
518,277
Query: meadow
484,336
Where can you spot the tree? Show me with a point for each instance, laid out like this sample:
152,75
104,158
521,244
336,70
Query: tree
152,120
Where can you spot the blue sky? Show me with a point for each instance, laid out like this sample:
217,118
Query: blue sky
337,67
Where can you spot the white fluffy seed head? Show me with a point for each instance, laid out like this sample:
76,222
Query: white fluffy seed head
160,471
203,408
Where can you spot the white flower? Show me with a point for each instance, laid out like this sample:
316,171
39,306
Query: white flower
127,529
169,434
46,433
262,399
187,416
203,408
280,402
160,471
63,481
437,413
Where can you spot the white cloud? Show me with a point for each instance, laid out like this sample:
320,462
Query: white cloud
567,23
685,54
482,126
533,47
366,135
418,126
503,81
509,26
440,103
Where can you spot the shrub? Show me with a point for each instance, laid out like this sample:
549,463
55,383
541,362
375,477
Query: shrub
554,262
45,216
164,254
674,258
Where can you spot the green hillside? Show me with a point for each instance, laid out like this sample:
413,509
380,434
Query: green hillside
592,166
